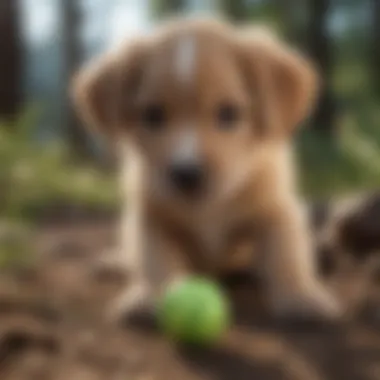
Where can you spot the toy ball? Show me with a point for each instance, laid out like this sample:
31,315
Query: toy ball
194,311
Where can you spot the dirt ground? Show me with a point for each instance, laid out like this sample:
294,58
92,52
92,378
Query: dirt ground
51,326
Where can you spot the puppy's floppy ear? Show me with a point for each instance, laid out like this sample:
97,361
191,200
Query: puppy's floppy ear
285,82
101,90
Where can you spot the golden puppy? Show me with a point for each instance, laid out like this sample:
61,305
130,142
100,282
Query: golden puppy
202,115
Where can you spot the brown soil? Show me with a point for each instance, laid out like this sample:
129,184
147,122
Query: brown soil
51,326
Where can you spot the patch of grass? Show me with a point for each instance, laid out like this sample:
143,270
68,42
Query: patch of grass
35,175
349,163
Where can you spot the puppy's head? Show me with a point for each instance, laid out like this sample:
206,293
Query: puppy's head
201,101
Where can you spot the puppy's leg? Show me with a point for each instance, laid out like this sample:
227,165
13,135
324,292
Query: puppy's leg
290,267
131,232
159,264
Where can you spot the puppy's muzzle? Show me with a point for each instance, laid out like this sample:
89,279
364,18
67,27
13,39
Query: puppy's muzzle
188,178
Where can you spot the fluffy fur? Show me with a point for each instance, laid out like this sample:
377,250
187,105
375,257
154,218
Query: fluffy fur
190,69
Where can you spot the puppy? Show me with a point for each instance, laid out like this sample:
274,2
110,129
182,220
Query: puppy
201,114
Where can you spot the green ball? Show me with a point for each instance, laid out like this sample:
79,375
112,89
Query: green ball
194,311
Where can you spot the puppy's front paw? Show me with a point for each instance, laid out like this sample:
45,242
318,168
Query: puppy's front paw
135,304
313,304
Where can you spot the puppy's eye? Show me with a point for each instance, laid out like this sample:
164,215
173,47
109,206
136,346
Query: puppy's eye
153,116
227,115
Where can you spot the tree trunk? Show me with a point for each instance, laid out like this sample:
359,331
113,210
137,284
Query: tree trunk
166,7
234,9
291,13
71,20
11,60
375,48
320,51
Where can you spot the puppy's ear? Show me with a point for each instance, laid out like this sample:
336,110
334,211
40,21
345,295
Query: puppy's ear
101,91
285,83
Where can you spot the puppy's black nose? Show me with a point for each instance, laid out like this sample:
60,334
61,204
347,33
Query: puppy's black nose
187,177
